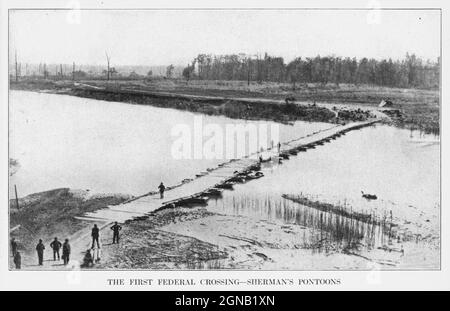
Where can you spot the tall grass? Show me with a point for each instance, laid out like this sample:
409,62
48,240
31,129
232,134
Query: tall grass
328,228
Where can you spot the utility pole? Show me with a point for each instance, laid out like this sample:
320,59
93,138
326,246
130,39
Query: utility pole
73,71
61,70
17,199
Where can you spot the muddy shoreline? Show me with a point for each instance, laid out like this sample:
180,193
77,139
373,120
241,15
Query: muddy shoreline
414,108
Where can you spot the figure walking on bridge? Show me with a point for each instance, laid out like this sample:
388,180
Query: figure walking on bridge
161,190
40,251
95,235
66,251
116,228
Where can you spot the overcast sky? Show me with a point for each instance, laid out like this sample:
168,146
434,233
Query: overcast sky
176,37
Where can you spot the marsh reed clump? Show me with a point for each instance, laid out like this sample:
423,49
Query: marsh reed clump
331,226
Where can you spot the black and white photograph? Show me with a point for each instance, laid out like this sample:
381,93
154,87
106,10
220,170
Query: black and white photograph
223,139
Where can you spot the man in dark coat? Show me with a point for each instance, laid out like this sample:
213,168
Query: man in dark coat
66,251
88,260
161,190
13,246
95,235
17,260
116,228
55,245
40,251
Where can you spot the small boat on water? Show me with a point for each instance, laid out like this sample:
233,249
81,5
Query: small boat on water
284,156
213,192
225,185
255,175
196,201
369,196
236,179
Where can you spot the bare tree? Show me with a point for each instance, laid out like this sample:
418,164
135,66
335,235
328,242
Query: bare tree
108,58
248,71
45,71
17,72
169,71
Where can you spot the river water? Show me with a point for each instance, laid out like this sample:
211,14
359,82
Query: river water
400,167
106,147
109,147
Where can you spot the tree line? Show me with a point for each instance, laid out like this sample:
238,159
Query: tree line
409,72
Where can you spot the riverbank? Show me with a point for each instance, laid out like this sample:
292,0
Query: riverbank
413,108
47,214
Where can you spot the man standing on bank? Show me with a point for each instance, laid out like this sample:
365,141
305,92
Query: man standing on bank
66,251
40,251
116,228
13,246
55,245
95,235
17,260
161,190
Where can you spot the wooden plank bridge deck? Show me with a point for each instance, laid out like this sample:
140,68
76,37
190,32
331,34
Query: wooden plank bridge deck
196,188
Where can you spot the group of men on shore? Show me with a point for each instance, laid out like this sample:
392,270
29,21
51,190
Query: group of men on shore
56,246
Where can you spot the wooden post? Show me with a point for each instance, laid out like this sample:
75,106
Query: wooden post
17,199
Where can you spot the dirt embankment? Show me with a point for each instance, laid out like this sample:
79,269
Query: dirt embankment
417,108
52,213
232,107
